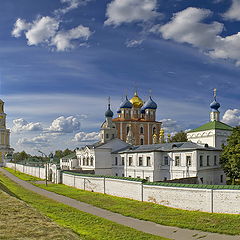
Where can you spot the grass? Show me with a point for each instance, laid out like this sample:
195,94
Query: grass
19,220
23,176
85,225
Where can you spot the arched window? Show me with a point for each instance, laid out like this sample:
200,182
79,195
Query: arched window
141,141
127,129
84,161
91,161
154,130
141,129
87,161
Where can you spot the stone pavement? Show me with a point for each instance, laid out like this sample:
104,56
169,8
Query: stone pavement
141,225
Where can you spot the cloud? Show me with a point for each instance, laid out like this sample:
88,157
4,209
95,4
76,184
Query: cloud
63,39
187,27
233,12
20,26
65,125
86,137
170,126
232,117
71,4
134,43
38,141
21,124
127,11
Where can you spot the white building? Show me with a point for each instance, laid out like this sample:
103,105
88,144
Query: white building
197,158
214,133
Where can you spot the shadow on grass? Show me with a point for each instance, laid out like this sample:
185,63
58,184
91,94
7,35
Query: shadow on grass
6,190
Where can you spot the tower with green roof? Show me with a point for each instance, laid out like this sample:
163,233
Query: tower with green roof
213,133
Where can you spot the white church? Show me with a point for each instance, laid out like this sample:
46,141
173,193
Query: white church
198,158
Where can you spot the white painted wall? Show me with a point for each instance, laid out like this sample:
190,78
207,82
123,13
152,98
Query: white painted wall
196,199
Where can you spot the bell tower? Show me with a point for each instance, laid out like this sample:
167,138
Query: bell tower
4,135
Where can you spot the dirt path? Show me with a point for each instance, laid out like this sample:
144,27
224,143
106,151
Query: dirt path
144,226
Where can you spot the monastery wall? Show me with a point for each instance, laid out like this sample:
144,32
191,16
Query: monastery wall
30,170
197,199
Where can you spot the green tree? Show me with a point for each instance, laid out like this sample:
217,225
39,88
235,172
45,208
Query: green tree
20,156
179,137
230,157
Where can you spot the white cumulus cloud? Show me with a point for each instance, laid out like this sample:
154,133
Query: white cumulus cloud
65,125
233,13
86,137
21,124
187,27
63,39
170,126
134,42
46,30
126,11
232,117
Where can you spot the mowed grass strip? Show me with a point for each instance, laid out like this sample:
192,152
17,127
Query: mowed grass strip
85,225
20,221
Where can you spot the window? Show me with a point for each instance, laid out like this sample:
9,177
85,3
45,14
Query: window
91,161
165,160
201,161
87,161
201,179
177,161
84,161
148,161
127,130
165,178
140,161
130,161
215,160
138,176
122,174
188,161
116,161
141,129
221,178
123,161
141,141
208,160
112,135
116,174
154,130
107,135
147,178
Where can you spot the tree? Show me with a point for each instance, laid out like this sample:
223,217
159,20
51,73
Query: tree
59,153
230,157
20,156
179,137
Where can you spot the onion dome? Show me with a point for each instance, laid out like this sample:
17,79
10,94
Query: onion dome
149,104
136,101
126,104
109,112
215,105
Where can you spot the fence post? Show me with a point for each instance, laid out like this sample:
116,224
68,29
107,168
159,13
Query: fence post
211,201
73,180
142,191
104,185
84,182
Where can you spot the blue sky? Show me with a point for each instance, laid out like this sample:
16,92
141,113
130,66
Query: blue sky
63,58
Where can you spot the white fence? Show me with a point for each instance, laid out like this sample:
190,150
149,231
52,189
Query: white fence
197,199
34,171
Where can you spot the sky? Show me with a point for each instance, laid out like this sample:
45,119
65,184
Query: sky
60,60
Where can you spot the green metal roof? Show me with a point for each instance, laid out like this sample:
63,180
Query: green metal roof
213,125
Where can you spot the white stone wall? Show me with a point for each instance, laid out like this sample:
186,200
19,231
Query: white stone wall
196,199
30,170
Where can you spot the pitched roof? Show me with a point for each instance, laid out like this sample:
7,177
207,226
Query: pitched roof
213,125
70,156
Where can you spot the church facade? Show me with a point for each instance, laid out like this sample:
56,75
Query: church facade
136,121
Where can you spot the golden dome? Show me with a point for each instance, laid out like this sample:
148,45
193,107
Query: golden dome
136,101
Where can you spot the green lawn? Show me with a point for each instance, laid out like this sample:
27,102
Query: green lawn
210,222
87,226
20,221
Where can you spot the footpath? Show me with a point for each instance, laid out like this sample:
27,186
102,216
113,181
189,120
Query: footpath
141,225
